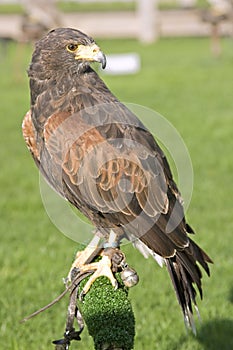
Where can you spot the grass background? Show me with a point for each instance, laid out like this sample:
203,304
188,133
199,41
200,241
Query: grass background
71,6
182,81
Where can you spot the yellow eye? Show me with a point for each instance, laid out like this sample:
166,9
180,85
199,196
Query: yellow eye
72,47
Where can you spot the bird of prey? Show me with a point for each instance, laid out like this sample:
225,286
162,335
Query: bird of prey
98,155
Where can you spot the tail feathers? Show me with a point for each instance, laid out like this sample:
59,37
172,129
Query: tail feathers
185,273
200,256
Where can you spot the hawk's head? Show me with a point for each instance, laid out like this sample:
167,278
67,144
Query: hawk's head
64,49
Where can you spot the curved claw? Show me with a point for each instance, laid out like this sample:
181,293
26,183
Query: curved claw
116,285
81,296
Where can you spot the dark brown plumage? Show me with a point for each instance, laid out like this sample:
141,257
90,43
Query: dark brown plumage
99,156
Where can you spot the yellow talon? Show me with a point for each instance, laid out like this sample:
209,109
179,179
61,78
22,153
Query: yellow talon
101,268
111,259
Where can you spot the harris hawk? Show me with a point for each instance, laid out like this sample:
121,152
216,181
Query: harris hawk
98,155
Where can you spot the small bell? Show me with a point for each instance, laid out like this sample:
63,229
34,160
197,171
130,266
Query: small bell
129,276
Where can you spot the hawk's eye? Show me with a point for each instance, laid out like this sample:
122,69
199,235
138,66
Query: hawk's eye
72,47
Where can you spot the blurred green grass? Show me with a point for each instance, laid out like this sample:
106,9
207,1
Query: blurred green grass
72,6
182,81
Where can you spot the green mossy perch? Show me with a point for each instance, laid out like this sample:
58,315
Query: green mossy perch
108,315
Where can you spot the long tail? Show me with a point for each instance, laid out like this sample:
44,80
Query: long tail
185,273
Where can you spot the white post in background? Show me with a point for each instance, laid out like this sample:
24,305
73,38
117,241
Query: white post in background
148,19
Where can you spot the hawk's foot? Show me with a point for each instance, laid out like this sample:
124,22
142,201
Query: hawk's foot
110,262
112,259
83,258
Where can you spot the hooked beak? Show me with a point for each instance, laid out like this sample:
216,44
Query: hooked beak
91,53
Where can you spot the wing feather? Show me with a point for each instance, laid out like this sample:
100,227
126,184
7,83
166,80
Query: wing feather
29,134
114,164
111,179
